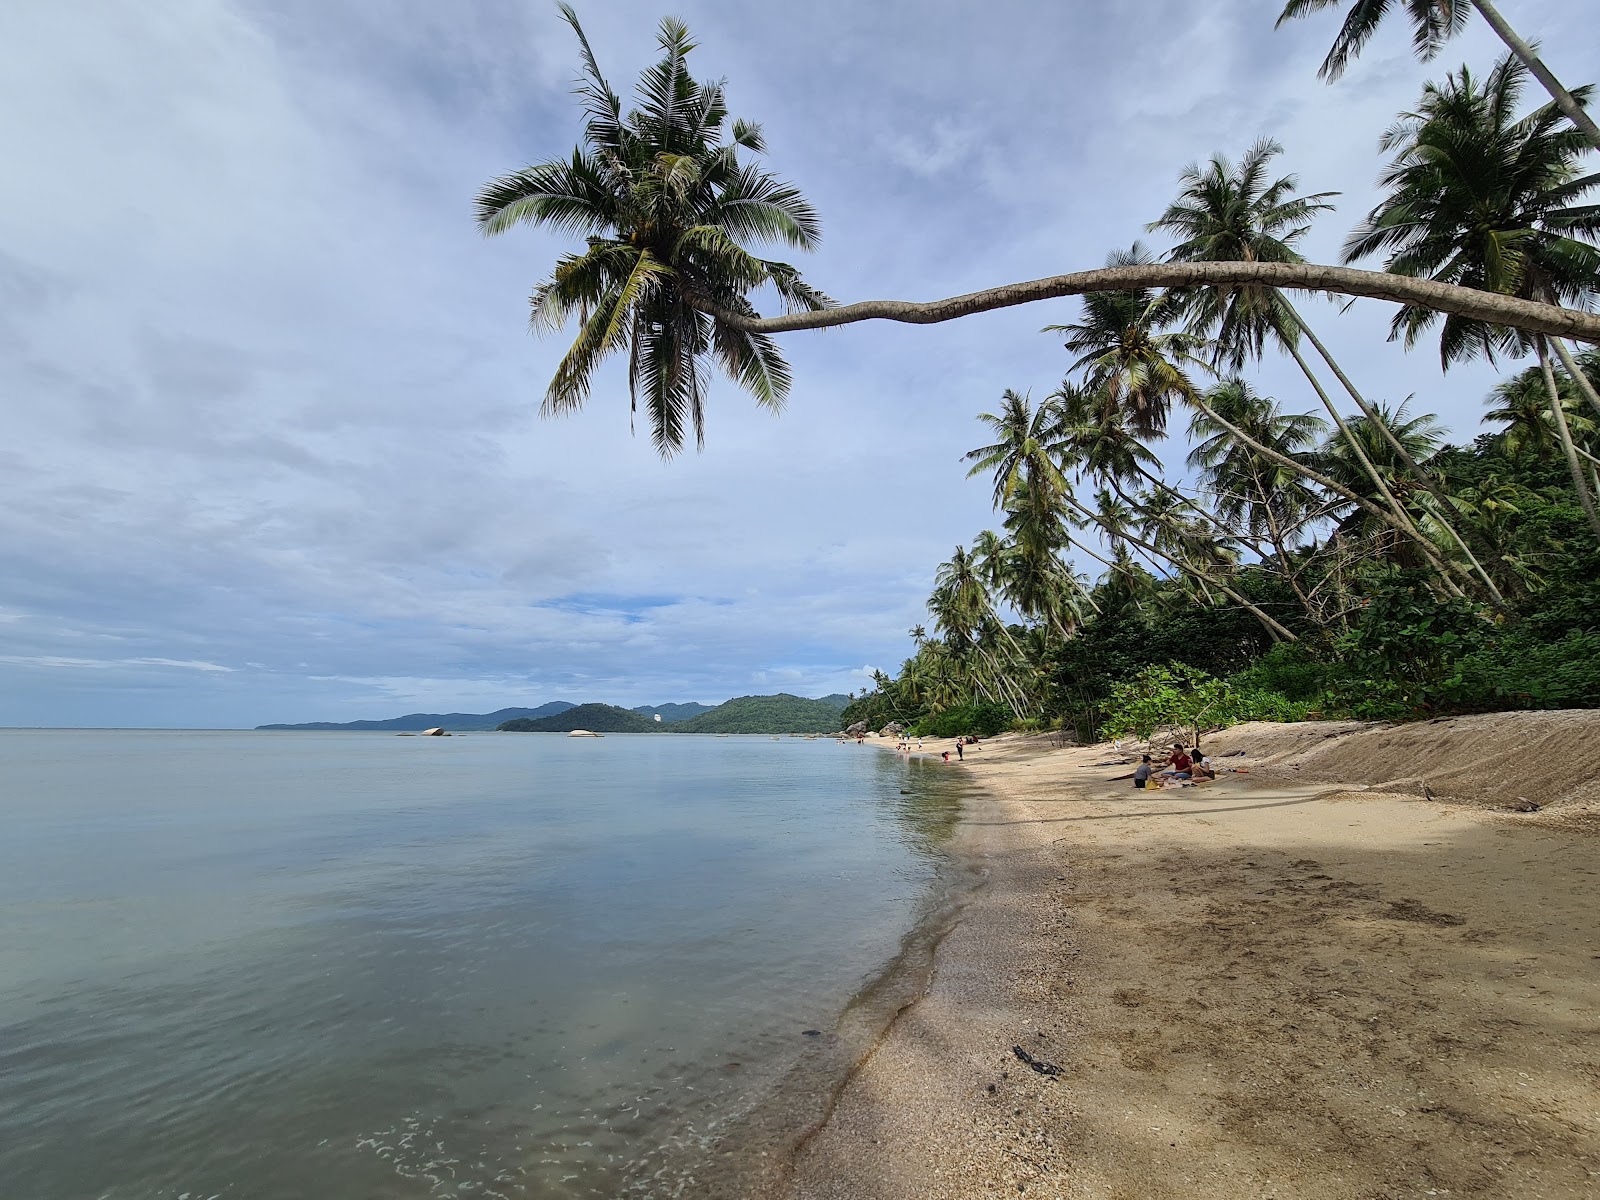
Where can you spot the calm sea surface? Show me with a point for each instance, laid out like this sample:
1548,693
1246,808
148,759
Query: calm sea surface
290,965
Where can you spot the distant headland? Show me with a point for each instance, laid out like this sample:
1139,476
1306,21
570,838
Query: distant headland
781,713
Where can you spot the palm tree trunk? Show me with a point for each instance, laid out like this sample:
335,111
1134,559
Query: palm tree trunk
1425,477
1194,506
1579,375
1564,99
1275,537
1350,439
1445,569
1271,626
1494,308
1585,497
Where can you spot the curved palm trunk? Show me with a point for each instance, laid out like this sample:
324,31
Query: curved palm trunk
1564,99
1585,496
1531,316
1446,505
1444,568
1352,441
1579,376
1271,626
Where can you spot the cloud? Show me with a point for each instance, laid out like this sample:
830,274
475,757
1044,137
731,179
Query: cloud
270,400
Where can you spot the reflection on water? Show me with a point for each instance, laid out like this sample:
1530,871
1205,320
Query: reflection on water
283,965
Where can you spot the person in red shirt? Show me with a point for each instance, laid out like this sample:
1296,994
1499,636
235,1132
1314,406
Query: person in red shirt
1180,764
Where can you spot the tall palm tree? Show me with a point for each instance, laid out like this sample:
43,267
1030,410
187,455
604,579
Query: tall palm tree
1433,22
1027,486
1129,359
1022,458
667,208
1230,212
1253,492
1520,404
1481,197
1421,435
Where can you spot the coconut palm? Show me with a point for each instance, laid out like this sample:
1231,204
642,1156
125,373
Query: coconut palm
667,207
1230,212
1481,197
1433,22
1023,456
1521,405
1254,493
1420,435
1129,360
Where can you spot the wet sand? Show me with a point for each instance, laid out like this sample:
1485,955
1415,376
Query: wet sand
1269,986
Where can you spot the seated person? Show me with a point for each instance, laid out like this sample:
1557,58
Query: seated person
1200,769
1141,773
1178,767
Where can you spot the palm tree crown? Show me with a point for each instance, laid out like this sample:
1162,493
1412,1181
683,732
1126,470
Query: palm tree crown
665,204
1237,213
1480,197
1432,22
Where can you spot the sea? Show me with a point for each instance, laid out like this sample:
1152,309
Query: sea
279,965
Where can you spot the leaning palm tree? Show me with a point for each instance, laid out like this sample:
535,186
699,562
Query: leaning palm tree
1022,458
667,207
1484,198
1433,22
1520,404
1129,359
1253,492
1238,212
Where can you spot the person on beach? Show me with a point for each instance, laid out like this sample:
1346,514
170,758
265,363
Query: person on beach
1180,764
1142,773
1200,769
947,756
960,754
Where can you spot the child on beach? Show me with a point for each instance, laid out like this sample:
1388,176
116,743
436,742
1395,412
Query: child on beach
1141,773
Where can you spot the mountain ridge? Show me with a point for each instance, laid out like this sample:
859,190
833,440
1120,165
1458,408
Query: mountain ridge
454,722
781,712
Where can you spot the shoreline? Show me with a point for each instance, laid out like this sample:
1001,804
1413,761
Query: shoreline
753,1155
1298,981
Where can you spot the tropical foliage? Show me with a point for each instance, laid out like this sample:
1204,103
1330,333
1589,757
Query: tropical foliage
1276,556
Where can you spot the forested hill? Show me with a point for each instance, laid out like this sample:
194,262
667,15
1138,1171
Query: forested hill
597,718
459,722
673,712
782,713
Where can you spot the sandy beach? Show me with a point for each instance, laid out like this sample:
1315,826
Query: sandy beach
1303,980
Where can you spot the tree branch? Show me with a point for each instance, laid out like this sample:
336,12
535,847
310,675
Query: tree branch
1527,315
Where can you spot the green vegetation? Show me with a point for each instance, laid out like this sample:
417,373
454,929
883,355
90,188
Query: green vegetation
597,718
1322,553
782,713
673,712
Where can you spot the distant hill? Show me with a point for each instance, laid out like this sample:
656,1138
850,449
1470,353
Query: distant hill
673,712
597,718
782,713
462,722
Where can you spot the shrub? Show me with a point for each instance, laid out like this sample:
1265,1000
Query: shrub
978,719
1183,698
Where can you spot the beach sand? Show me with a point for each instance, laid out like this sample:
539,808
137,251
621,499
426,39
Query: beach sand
1304,981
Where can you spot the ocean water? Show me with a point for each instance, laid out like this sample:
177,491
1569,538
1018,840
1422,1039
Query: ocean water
288,965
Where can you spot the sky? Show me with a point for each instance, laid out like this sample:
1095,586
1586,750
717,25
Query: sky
272,447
